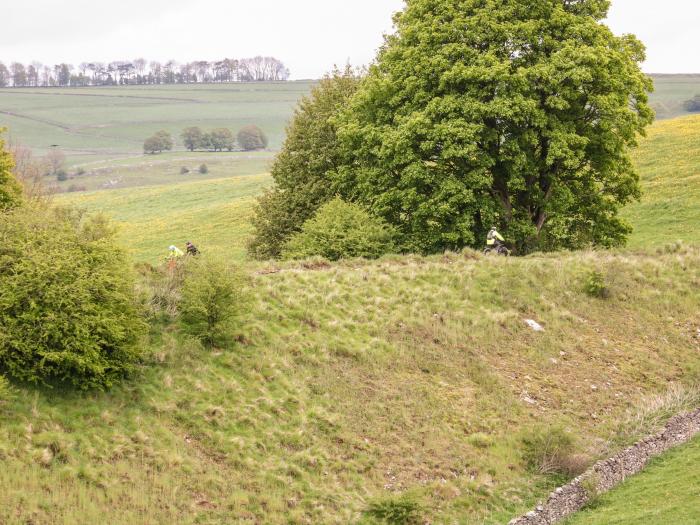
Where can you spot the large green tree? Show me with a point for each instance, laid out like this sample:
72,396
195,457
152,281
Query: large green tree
301,171
507,112
10,190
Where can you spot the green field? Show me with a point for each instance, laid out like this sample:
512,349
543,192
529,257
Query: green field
112,122
214,214
669,163
667,492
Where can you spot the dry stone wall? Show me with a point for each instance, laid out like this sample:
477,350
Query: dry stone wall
608,473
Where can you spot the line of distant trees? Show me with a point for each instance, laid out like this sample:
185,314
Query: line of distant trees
142,72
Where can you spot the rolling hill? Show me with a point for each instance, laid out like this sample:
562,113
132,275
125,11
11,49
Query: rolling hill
91,124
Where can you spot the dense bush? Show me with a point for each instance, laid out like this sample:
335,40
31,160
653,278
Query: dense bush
303,168
6,391
212,300
395,511
252,138
340,230
203,169
10,190
552,450
595,285
61,175
67,308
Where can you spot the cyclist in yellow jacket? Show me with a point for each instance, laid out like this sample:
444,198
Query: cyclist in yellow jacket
494,239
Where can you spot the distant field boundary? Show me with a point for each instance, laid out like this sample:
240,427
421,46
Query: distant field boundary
608,473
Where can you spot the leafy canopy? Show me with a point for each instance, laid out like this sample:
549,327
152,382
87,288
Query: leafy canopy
310,152
341,230
512,113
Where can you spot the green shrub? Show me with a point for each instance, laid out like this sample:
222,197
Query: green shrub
302,169
6,392
213,299
61,175
340,230
10,190
252,138
395,511
67,305
552,450
203,169
595,285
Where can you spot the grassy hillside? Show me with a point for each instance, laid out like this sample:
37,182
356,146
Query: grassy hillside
667,492
214,214
359,382
111,122
668,162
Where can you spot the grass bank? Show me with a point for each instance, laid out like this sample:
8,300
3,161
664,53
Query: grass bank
357,383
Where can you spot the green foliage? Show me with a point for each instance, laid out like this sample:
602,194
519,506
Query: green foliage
595,285
203,169
520,116
6,391
159,142
395,511
67,309
301,170
213,299
10,190
222,139
192,137
340,230
61,175
551,450
252,138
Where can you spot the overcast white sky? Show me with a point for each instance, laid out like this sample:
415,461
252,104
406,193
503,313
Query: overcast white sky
308,35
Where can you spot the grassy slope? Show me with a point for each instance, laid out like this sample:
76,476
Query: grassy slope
110,122
668,163
212,213
667,492
358,381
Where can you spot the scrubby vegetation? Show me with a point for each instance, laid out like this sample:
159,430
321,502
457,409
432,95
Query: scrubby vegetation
67,309
10,190
213,299
341,230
